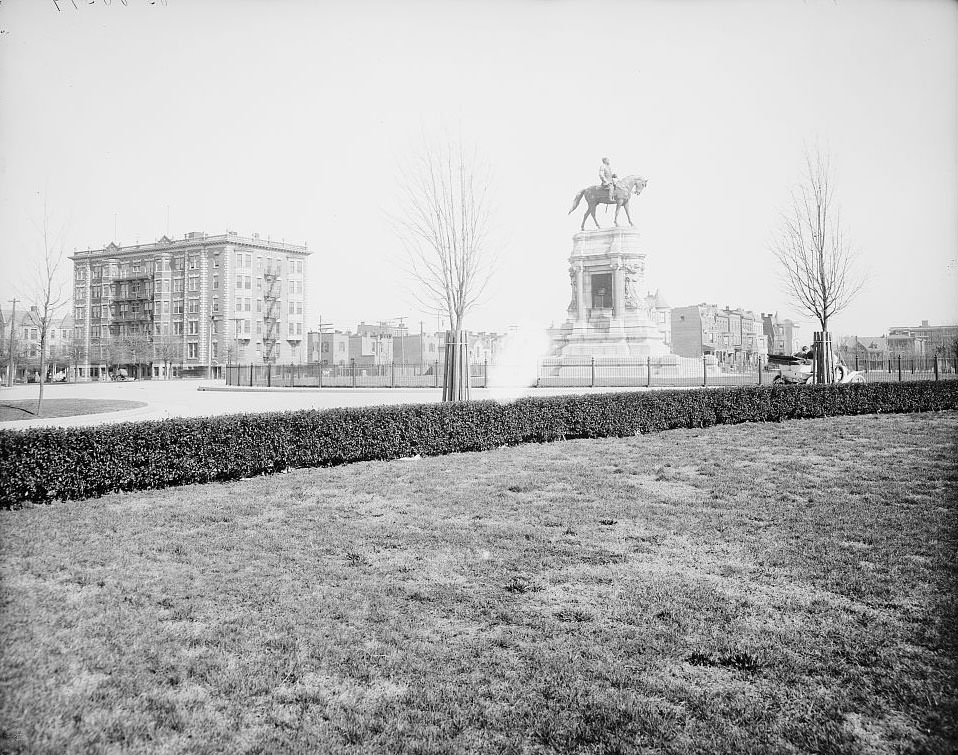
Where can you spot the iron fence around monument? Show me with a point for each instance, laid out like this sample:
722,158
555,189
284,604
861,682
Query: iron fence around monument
584,372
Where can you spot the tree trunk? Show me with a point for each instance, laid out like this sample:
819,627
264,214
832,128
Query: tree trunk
824,357
455,383
43,369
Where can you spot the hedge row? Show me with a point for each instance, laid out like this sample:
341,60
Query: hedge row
70,463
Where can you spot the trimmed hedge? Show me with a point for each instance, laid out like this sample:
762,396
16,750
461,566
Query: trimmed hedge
68,463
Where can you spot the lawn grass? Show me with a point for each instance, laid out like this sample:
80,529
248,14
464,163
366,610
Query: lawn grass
750,588
62,407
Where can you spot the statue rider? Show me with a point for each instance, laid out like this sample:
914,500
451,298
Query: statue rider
607,177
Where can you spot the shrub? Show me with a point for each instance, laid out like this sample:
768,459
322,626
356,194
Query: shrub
67,463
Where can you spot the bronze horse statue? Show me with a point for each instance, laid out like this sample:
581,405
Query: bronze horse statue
596,195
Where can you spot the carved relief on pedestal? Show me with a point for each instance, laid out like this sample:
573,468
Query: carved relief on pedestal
632,273
573,305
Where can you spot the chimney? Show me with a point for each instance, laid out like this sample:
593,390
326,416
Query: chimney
924,323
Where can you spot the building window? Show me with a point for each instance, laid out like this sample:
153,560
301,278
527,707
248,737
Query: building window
178,328
177,307
191,350
194,284
194,263
194,327
216,282
178,286
249,282
299,328
239,281
259,305
194,306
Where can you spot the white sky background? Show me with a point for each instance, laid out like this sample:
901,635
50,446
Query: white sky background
290,118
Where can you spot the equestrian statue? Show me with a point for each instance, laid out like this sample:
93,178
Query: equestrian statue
611,190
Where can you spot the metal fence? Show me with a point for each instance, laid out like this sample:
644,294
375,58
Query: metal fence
584,372
391,375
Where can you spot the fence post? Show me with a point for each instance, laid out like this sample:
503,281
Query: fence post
251,374
269,374
319,379
648,372
392,374
705,373
936,366
485,372
435,373
899,368
759,360
593,372
352,369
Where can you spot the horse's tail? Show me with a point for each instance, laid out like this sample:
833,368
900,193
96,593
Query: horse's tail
575,202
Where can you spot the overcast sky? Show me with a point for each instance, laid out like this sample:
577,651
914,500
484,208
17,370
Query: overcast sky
291,118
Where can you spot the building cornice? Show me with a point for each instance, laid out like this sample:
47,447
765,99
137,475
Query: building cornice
165,245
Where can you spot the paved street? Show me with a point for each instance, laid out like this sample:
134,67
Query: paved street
196,398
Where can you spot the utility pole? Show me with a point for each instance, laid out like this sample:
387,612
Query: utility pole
402,349
13,327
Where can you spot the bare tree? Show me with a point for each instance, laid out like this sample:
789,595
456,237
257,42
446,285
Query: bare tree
114,352
166,350
76,354
51,292
445,227
139,345
815,257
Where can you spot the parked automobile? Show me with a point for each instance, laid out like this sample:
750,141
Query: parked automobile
799,369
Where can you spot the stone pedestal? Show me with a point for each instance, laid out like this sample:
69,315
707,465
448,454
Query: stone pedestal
608,316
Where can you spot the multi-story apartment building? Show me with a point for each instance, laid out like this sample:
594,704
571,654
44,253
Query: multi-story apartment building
733,336
190,304
779,334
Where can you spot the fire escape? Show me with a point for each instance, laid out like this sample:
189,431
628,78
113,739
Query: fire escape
131,314
272,308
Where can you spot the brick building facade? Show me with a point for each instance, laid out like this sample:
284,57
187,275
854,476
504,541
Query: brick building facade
188,305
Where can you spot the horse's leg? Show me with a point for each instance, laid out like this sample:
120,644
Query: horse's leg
594,220
627,213
616,219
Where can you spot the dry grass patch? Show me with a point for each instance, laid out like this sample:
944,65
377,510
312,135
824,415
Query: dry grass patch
716,590
63,407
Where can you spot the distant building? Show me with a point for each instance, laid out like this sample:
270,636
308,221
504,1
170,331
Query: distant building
382,344
190,304
864,352
922,340
661,313
60,354
779,334
732,336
